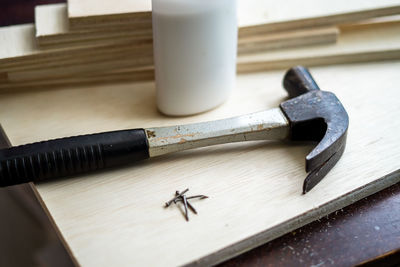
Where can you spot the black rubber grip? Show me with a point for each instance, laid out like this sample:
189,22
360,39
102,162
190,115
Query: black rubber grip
71,156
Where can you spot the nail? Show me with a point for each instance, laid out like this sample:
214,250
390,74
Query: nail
178,196
186,207
189,205
198,196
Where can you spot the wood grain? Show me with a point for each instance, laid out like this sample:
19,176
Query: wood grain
52,31
372,43
267,16
100,14
288,39
20,56
117,217
255,16
124,75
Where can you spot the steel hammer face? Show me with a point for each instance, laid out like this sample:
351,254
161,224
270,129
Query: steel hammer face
315,115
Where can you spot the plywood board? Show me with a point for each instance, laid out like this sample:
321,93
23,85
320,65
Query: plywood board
288,39
52,28
124,75
267,16
31,63
381,21
254,15
98,14
52,31
117,217
372,43
19,49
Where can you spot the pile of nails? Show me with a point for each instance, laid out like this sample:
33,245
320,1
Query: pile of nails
181,197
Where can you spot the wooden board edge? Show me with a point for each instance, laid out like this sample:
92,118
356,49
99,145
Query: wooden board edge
98,21
373,56
298,221
290,39
53,223
335,19
4,143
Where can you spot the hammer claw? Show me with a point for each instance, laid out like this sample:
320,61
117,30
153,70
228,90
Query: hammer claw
316,175
318,116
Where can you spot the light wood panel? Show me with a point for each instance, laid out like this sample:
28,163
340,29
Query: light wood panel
268,16
124,75
254,15
117,217
288,39
52,31
367,42
19,53
372,43
103,13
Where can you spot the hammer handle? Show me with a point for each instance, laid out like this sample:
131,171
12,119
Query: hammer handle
298,81
70,156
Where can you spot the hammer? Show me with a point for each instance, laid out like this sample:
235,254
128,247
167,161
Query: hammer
309,115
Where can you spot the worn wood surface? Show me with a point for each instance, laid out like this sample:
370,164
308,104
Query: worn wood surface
105,217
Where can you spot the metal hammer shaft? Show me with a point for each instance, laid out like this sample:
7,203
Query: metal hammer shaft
266,125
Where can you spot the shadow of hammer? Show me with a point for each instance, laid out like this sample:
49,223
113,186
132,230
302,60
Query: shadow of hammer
309,115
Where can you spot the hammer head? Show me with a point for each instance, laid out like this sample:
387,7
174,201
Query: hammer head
315,115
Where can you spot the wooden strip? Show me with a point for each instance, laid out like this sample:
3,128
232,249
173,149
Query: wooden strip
79,80
100,14
249,184
52,28
71,70
19,48
374,22
290,39
363,45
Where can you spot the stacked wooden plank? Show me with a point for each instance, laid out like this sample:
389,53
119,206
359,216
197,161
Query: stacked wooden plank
88,41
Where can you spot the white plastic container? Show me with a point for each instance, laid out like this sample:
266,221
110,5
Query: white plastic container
195,47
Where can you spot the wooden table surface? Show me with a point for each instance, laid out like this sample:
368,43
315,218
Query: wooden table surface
367,230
